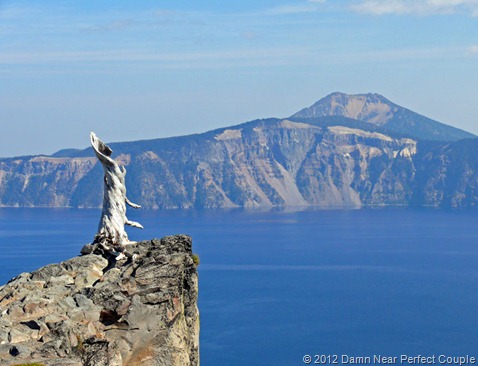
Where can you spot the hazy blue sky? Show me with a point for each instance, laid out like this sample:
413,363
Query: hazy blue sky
144,69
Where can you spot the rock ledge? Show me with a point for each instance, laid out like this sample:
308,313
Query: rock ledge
95,311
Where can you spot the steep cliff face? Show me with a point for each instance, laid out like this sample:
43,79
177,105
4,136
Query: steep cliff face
89,312
447,174
41,180
344,150
261,163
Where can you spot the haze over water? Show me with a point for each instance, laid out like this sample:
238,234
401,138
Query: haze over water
278,284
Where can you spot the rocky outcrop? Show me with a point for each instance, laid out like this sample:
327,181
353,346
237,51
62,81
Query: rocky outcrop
94,311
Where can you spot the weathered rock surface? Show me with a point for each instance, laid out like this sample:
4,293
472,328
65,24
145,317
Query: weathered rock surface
94,311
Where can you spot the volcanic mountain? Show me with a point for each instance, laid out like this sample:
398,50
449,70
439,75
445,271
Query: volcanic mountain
345,150
379,111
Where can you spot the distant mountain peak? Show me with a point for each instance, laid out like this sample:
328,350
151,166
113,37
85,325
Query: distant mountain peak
372,108
379,111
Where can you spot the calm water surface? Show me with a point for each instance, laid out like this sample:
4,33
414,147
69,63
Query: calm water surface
275,285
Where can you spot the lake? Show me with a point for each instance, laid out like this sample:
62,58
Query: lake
276,285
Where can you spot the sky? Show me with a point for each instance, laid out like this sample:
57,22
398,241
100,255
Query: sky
132,70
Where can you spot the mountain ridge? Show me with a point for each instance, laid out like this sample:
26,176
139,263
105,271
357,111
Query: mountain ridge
305,115
322,161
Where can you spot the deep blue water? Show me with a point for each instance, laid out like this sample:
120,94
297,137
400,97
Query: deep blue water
275,285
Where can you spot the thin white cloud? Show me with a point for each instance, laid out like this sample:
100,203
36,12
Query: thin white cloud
165,12
472,50
381,7
416,7
124,56
114,25
309,6
291,9
15,12
257,57
248,34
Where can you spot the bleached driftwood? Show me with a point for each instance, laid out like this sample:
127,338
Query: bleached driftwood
111,233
